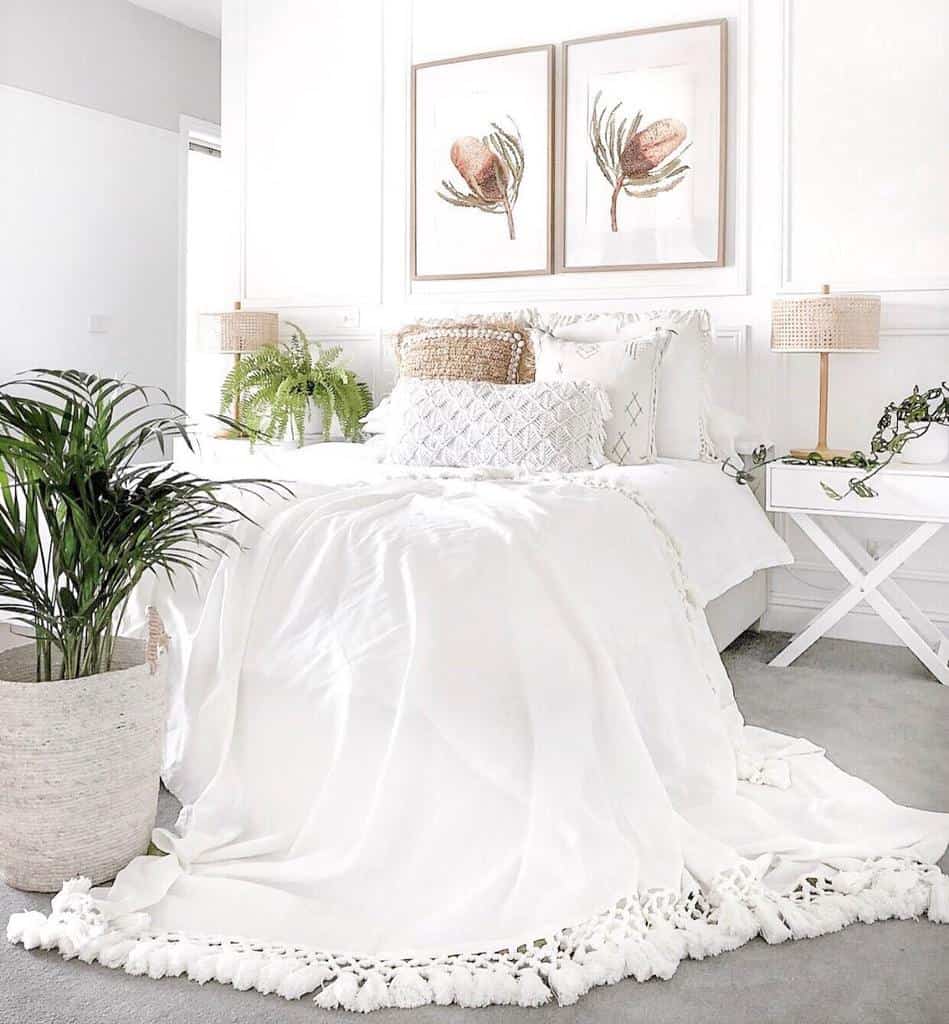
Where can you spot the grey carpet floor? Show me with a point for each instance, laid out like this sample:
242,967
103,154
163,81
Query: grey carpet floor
880,716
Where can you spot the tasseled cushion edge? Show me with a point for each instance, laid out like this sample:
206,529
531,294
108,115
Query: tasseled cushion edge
560,969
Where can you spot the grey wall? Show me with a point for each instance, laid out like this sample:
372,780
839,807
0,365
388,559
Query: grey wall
112,56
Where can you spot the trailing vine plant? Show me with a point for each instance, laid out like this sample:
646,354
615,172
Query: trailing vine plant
901,422
492,167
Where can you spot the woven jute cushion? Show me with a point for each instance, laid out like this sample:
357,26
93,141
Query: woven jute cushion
79,768
497,351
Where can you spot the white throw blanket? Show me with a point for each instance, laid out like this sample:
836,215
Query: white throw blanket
454,740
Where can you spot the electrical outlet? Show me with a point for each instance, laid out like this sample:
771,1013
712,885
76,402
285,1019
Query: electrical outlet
99,323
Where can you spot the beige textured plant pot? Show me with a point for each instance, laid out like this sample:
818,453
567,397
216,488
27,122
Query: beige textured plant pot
79,768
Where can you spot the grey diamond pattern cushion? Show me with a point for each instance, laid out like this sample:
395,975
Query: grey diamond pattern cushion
683,410
628,370
548,427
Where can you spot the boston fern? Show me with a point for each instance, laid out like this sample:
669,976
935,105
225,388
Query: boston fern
277,383
83,519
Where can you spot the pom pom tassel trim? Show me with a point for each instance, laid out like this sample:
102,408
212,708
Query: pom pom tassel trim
641,937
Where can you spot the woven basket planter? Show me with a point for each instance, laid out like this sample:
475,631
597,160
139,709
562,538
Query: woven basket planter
79,768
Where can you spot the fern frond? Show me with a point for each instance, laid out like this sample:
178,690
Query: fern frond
277,384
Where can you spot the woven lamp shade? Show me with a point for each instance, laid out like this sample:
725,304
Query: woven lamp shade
246,330
826,323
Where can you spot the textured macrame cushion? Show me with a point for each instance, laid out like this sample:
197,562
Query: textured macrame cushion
628,370
543,427
495,350
683,408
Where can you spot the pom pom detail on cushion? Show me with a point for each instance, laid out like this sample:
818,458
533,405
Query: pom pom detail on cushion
480,348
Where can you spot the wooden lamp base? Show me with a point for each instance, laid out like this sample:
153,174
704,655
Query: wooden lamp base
821,449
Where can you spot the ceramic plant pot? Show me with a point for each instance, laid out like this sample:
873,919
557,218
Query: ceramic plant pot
932,447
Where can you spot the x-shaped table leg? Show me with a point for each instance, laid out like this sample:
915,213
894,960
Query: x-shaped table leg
870,581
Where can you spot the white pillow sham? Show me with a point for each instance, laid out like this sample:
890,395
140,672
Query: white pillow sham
628,370
541,427
376,421
733,433
684,405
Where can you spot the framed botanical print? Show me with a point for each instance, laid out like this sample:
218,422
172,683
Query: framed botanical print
482,165
644,149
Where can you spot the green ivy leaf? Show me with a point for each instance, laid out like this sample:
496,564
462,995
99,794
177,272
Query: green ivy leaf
830,492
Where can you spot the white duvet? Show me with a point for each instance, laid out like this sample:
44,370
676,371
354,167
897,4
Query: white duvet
469,740
718,526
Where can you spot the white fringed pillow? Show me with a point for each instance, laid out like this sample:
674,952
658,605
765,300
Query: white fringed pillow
683,408
545,427
627,369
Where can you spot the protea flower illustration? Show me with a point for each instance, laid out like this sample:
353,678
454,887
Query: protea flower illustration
492,167
636,162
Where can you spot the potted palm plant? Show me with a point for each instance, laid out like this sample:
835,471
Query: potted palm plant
82,519
285,389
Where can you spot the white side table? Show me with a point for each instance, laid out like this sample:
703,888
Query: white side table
916,494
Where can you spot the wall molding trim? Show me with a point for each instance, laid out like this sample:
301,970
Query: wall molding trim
737,338
789,613
915,575
797,282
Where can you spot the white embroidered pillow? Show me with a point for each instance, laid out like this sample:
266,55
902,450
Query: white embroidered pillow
628,370
683,408
545,427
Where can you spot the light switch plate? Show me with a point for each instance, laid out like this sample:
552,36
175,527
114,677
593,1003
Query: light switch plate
99,323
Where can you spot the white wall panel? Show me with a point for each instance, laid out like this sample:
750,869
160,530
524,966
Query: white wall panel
868,144
313,178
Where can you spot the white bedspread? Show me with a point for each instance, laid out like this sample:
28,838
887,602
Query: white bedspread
470,741
721,530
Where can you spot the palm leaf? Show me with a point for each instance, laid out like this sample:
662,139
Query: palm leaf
83,518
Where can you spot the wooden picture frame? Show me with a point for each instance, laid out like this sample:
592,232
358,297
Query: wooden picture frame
576,244
446,240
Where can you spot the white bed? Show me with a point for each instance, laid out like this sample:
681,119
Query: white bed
464,737
726,539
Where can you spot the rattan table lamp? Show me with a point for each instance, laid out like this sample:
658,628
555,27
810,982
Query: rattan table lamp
825,323
246,330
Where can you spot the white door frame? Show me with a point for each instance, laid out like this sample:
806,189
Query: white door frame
190,129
